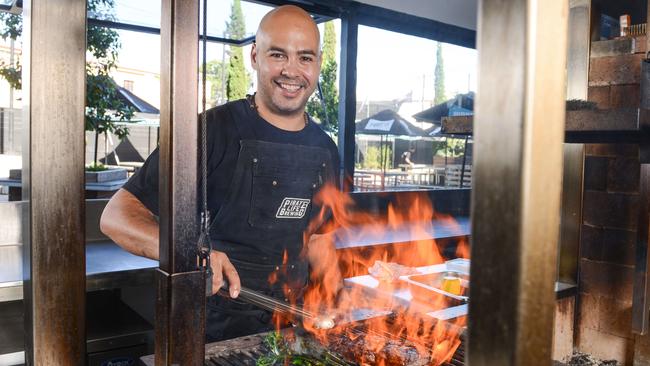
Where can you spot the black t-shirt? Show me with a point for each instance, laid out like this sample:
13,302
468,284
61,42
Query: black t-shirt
223,150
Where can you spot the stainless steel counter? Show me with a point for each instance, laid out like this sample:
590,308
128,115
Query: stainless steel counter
107,266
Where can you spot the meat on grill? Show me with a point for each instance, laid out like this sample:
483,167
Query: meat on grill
363,349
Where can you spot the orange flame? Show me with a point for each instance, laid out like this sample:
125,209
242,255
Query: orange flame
410,216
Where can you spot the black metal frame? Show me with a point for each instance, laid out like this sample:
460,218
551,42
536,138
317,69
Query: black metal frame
153,30
348,99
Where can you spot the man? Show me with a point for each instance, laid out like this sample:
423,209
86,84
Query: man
266,160
406,157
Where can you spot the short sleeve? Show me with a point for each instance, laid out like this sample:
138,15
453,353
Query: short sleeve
144,183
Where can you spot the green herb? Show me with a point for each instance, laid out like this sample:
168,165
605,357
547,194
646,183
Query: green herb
280,353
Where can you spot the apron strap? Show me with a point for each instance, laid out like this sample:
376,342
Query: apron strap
244,125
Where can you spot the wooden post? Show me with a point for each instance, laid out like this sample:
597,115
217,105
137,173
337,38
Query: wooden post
519,131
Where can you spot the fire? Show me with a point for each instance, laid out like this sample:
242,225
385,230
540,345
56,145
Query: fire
411,216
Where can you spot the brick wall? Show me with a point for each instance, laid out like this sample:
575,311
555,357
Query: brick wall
610,213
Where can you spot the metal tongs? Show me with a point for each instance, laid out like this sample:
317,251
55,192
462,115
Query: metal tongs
272,304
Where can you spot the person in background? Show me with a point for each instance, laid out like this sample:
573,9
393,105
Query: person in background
407,156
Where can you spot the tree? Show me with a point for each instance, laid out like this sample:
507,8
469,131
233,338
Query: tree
237,82
103,107
439,88
215,72
328,116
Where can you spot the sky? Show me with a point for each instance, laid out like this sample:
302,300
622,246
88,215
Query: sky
390,65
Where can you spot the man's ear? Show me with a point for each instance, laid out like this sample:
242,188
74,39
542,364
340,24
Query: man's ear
254,56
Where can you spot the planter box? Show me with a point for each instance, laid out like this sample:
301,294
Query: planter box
106,175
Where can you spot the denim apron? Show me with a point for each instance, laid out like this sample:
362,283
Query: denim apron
260,226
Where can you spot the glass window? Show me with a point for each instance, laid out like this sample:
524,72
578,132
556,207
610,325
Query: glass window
147,13
401,96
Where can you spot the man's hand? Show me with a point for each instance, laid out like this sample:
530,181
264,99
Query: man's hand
221,267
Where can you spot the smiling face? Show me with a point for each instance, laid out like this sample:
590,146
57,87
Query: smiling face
287,59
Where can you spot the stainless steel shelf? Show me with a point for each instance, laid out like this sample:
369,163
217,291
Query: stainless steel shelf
107,266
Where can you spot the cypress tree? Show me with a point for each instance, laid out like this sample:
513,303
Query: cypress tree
237,82
328,84
439,88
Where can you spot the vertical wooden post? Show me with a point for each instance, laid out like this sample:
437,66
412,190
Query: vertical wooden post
519,131
53,182
180,306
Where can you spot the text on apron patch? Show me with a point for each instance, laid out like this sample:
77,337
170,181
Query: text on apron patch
292,208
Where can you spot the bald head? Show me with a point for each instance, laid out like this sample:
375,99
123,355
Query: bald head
289,18
286,56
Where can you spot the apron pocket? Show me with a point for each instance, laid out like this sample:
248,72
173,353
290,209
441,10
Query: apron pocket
281,203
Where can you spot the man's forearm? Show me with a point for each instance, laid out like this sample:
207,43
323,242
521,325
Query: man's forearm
131,225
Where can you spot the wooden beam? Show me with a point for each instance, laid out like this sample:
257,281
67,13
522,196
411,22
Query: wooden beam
53,182
517,181
180,305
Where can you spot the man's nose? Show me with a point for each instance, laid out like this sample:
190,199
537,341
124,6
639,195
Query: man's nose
290,68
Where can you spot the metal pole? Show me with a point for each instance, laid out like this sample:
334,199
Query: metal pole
641,294
348,98
2,130
12,117
579,45
519,130
180,305
53,182
462,170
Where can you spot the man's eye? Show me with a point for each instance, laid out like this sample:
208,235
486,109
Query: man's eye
306,59
277,55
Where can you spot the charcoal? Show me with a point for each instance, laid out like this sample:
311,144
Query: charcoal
577,104
582,359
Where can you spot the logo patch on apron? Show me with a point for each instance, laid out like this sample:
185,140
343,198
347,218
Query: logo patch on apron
292,208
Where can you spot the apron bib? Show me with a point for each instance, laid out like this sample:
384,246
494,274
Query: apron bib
260,226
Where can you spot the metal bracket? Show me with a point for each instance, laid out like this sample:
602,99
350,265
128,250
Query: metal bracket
641,295
178,327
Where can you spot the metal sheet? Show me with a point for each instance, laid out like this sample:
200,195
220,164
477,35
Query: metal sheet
54,181
517,181
571,213
641,294
579,43
177,320
578,53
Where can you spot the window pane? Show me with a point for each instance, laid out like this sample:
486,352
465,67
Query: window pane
147,13
398,145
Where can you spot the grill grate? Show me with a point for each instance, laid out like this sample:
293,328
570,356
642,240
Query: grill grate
245,351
